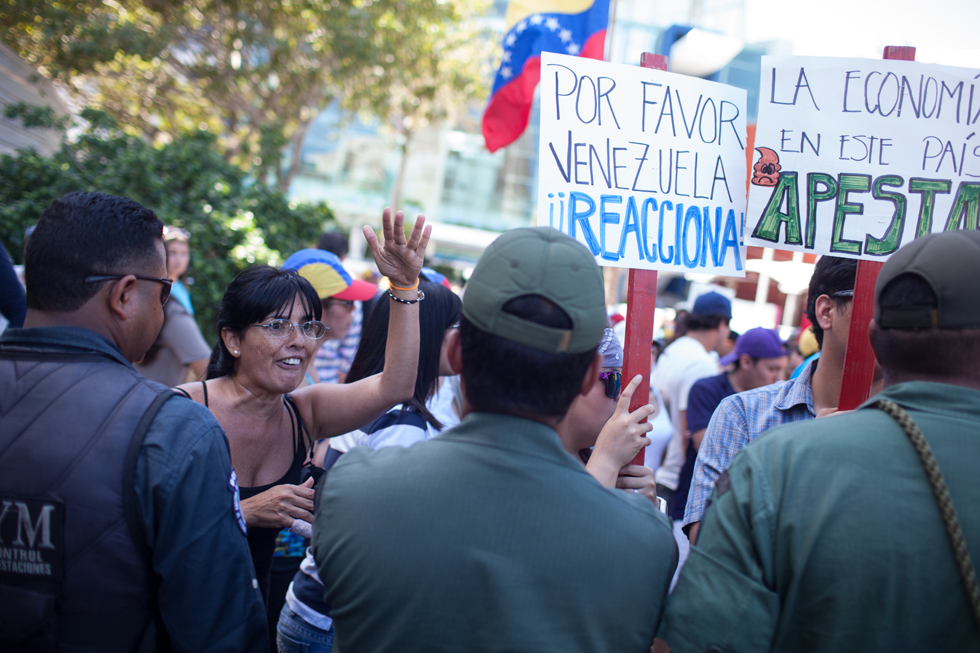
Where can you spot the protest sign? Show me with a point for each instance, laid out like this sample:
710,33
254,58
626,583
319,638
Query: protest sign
645,167
855,157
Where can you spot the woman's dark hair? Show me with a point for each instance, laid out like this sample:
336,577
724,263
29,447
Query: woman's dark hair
503,376
254,294
440,309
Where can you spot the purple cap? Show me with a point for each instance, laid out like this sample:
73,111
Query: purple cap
757,343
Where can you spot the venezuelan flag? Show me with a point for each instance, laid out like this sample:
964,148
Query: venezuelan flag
575,27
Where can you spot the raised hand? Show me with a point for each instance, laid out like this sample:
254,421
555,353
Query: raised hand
399,259
624,434
621,438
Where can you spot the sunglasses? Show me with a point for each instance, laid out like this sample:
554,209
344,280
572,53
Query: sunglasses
281,328
614,383
346,303
164,292
848,294
175,233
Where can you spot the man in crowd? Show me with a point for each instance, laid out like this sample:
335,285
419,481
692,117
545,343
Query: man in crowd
334,357
490,536
827,535
758,360
685,361
742,417
117,493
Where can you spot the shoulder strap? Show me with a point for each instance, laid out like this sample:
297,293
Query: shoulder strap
129,471
154,638
939,488
304,436
204,384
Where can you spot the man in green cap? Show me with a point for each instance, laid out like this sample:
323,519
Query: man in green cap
826,535
490,536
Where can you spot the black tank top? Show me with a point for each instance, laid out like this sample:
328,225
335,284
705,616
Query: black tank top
262,541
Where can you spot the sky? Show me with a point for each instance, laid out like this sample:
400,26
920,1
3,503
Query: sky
942,31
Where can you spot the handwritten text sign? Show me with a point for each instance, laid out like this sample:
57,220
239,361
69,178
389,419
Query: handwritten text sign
645,167
856,156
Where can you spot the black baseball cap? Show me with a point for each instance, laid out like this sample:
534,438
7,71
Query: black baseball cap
950,263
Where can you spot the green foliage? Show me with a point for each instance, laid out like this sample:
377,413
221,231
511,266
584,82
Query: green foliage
234,222
254,72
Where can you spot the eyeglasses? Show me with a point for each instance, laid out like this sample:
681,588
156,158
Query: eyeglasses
614,383
849,294
281,328
164,292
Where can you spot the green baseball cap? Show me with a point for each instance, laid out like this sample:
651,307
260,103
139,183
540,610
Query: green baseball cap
538,261
950,263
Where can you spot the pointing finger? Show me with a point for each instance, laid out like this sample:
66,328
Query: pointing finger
627,393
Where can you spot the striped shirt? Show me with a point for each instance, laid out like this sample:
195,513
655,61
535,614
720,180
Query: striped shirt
739,419
334,357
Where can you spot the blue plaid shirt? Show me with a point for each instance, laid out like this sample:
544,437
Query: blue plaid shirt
739,419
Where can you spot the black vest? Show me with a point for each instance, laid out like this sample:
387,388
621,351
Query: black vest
73,575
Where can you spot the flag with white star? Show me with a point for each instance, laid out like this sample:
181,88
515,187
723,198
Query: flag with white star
573,27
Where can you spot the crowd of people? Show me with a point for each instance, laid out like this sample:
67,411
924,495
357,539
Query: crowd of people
362,467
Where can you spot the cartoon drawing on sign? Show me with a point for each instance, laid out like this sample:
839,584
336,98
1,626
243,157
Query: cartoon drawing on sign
765,172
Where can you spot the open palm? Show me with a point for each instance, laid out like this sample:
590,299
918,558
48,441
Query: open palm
399,258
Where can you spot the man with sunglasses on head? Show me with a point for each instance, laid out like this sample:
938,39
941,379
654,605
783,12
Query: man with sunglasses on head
117,495
742,417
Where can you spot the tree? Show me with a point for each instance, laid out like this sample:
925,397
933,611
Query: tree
446,73
254,72
233,221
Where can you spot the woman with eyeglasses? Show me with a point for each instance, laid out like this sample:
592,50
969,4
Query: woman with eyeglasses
269,328
305,624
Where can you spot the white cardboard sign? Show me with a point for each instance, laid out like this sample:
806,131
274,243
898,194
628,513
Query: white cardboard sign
855,157
644,167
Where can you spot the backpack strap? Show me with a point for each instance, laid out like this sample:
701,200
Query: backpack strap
155,636
945,501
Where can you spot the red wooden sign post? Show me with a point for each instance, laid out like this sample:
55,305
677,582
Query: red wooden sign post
859,360
641,300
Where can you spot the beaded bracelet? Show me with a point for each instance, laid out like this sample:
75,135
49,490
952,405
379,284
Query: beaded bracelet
407,301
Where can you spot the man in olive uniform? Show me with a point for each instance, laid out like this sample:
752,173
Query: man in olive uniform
826,535
490,536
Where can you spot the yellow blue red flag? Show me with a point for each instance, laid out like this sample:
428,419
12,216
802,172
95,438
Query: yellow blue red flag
574,27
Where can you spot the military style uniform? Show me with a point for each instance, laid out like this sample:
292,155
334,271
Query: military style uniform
826,536
488,537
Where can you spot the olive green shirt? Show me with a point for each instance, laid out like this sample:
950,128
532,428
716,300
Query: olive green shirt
489,537
826,536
